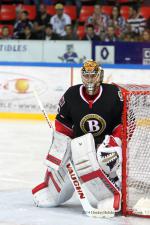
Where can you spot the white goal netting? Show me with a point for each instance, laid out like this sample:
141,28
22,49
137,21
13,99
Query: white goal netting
137,144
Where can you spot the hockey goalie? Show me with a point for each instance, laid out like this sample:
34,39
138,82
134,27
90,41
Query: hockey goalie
87,132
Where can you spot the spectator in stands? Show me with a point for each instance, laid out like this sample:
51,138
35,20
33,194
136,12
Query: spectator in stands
89,34
20,25
70,35
27,34
99,20
38,33
42,17
145,36
60,20
117,21
136,21
128,37
5,33
49,34
110,34
148,23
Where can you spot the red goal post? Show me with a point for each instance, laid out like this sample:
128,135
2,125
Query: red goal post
136,150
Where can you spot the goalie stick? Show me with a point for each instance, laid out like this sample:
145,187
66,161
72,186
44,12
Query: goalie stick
88,209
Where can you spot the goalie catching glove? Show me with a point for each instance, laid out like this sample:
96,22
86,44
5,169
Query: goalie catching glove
109,155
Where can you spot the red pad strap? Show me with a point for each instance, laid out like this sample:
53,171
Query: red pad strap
107,182
39,187
53,159
54,182
43,185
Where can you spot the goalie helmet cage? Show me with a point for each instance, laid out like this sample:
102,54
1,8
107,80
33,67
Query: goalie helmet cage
136,150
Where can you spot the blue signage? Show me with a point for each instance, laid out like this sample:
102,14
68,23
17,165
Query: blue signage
124,52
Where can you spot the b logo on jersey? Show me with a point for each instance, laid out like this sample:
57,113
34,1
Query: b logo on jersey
93,123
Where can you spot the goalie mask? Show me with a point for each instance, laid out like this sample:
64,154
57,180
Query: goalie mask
92,76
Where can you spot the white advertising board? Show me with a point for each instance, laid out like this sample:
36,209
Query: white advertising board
16,85
45,51
67,51
21,51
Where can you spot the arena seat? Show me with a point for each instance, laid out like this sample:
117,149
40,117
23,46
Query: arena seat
145,11
124,11
71,11
50,10
80,32
107,9
31,9
8,13
85,12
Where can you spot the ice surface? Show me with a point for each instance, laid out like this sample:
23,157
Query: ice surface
23,145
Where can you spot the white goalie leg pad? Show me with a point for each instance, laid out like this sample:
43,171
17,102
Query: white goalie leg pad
88,170
55,190
59,151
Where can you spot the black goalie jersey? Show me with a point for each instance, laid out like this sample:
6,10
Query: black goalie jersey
99,116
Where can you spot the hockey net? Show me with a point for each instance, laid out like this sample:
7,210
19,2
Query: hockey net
136,150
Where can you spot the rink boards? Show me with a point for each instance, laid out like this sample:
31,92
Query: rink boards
51,81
